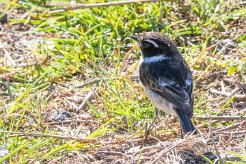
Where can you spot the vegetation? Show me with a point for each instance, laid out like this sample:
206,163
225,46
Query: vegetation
70,92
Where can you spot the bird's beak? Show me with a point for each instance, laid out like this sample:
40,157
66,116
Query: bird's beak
134,38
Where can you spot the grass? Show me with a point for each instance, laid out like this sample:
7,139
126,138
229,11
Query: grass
54,53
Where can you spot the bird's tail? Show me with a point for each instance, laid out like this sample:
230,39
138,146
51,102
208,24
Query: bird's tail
185,121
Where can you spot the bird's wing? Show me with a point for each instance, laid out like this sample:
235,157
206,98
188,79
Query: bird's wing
162,83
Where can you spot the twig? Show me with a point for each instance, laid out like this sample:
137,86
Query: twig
153,137
243,86
112,153
221,118
168,149
134,134
158,147
234,133
87,98
215,74
229,96
69,121
215,146
74,6
9,58
122,141
25,64
240,111
94,81
86,140
228,128
89,83
238,97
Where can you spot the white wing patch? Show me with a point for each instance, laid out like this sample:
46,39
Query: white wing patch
188,82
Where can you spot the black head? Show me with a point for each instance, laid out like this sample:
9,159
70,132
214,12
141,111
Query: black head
153,44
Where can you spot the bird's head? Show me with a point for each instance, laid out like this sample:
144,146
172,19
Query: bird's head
154,44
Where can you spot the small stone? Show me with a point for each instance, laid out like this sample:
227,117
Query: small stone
70,155
133,150
3,152
4,19
61,115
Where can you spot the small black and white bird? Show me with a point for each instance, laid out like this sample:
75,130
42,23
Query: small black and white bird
166,78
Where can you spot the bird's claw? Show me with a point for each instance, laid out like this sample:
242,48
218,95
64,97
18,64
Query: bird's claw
148,129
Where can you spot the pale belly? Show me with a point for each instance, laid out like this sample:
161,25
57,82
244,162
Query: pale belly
159,102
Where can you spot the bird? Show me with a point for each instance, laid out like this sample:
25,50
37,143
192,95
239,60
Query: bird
166,78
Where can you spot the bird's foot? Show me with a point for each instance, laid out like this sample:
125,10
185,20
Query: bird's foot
148,129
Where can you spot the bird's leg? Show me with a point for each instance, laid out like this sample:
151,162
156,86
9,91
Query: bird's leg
149,128
181,134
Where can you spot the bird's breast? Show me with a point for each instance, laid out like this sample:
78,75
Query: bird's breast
159,102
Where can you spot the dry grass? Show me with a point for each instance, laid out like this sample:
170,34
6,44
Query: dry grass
70,92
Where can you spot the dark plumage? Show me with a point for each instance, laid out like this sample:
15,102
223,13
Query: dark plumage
166,77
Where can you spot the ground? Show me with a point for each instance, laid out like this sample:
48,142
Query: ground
70,91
